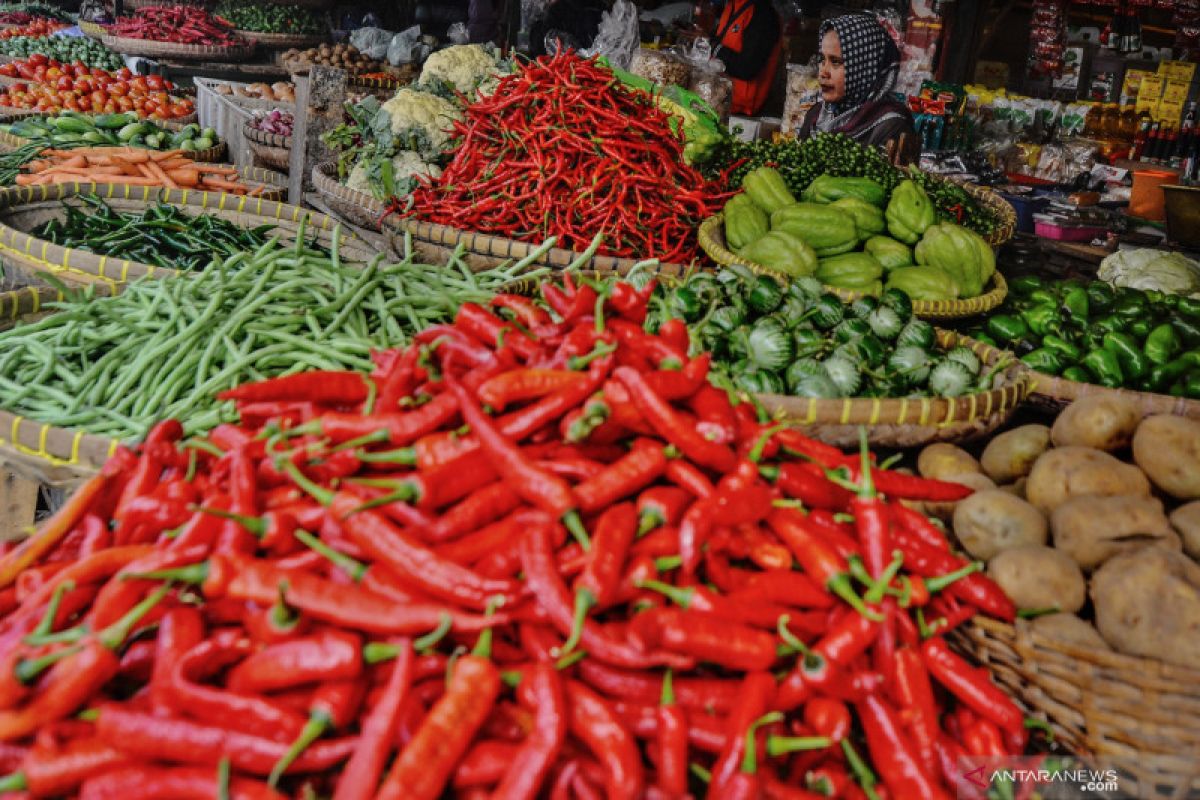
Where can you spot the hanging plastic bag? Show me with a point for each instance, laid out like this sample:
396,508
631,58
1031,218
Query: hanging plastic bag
457,34
406,47
372,42
618,37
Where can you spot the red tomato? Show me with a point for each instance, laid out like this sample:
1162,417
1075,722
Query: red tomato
53,72
82,85
38,59
124,73
8,70
155,82
64,84
99,97
20,87
118,89
73,104
125,104
139,85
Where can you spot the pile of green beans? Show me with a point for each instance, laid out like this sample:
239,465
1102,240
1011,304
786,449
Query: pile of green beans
163,235
162,349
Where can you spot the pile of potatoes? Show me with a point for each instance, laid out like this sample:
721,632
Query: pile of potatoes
1097,517
281,91
343,56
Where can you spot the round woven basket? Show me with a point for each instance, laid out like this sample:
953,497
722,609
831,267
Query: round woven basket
42,453
1053,392
1139,715
357,208
270,148
10,114
1000,208
712,239
484,250
909,422
25,208
213,155
282,41
183,52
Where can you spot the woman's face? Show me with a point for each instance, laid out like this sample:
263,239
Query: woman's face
832,75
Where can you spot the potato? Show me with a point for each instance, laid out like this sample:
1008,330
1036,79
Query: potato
993,520
941,459
1065,472
1037,576
1011,454
1071,629
1105,422
1092,529
1168,449
1186,520
976,480
1148,604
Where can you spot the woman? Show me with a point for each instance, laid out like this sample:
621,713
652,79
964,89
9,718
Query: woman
749,44
859,64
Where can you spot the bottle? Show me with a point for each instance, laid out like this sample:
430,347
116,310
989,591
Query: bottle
1167,147
1179,153
1092,122
1139,139
1152,140
1191,164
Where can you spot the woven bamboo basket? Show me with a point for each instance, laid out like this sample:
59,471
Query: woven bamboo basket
23,209
484,250
11,114
909,422
269,148
1139,715
182,52
282,41
1053,392
37,452
1000,208
212,155
712,240
357,208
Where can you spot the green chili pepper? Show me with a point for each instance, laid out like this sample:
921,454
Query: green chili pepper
1007,328
1162,344
1130,307
1134,364
1104,368
1044,360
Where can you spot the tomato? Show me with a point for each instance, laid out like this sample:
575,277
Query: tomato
124,73
8,70
64,84
20,87
155,82
38,58
53,72
99,97
82,85
148,107
72,104
110,106
118,89
139,85
125,104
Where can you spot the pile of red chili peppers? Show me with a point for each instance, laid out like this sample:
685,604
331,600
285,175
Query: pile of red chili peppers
178,25
562,148
536,554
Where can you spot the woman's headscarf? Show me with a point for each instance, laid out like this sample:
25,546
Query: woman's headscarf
872,62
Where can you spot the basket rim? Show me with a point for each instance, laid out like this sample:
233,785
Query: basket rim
278,158
200,52
712,241
261,137
210,156
284,40
1062,390
918,412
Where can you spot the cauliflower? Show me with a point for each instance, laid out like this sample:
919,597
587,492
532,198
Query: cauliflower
367,175
466,67
414,112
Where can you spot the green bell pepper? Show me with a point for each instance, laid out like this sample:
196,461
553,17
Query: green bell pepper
1162,344
1043,360
1100,296
982,336
1024,284
1075,303
1041,319
1191,385
1188,330
1190,306
1060,345
1134,364
1043,297
1107,324
1104,367
1130,306
1163,375
1076,373
1007,328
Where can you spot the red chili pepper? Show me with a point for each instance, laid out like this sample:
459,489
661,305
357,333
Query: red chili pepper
976,589
480,508
847,638
808,484
483,765
626,476
334,705
327,387
706,637
360,778
754,699
974,688
486,328
983,738
899,486
830,457
597,585
527,312
515,386
425,764
330,655
544,694
151,737
783,586
666,421
892,754
671,756
724,507
913,694
702,695
918,525
822,564
594,722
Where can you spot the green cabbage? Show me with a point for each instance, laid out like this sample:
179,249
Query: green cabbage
1150,269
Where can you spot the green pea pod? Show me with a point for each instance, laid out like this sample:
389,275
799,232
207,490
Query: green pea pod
1041,319
1007,328
1076,373
1043,360
1104,368
1060,345
1134,364
1076,304
1162,344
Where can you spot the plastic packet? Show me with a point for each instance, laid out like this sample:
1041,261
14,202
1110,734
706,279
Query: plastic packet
457,33
661,67
618,38
372,42
803,92
406,47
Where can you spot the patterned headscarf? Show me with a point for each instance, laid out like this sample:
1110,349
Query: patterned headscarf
872,63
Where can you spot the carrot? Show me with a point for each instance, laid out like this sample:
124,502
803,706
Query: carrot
164,155
124,180
157,172
185,177
217,183
176,163
216,169
24,179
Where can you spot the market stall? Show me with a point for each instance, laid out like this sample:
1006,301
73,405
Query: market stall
479,426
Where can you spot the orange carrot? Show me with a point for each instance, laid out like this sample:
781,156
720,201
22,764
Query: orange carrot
157,172
216,169
223,185
185,177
